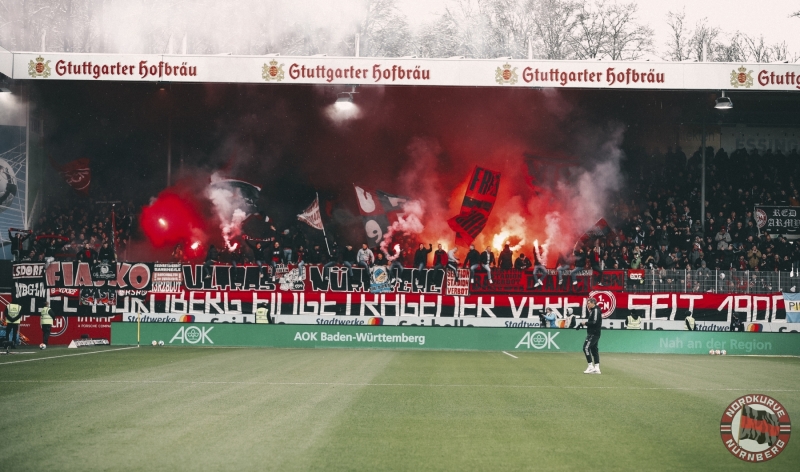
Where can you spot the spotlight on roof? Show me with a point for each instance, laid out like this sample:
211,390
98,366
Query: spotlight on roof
723,102
344,98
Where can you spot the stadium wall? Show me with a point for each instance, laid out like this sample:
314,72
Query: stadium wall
474,339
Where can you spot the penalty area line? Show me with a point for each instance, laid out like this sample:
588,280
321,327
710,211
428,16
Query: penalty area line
515,357
69,355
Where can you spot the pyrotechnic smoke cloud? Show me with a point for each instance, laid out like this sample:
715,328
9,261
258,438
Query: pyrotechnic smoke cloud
424,143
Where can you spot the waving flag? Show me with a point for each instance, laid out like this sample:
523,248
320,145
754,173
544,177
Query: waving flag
378,209
311,216
792,303
599,231
477,205
78,175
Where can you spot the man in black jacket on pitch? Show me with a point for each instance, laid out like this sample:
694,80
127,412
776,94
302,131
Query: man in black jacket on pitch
593,326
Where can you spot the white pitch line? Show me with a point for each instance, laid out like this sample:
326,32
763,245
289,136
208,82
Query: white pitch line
515,357
344,384
69,355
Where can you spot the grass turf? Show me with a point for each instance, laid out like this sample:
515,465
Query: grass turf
179,408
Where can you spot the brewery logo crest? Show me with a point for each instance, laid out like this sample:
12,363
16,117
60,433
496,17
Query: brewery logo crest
272,71
755,428
742,78
39,68
506,75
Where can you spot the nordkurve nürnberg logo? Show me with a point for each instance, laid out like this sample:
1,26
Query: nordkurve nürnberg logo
755,428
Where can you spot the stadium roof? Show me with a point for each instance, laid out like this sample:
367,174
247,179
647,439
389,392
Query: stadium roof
455,72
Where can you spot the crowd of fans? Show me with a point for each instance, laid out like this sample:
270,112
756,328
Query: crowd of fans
654,225
659,226
75,230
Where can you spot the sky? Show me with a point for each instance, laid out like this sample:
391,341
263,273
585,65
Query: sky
749,16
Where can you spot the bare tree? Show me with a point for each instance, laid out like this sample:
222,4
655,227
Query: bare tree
554,21
464,29
511,24
703,35
626,39
591,29
384,30
757,48
678,45
728,51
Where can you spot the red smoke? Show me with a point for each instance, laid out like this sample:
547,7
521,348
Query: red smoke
172,219
559,166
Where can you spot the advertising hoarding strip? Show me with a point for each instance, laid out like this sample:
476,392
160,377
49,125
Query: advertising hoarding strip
477,339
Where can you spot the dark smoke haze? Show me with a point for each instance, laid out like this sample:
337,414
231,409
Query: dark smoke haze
418,142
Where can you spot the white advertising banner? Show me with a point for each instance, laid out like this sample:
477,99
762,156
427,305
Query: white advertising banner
406,71
486,322
761,139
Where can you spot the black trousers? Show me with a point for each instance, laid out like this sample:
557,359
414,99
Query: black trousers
46,333
590,348
12,332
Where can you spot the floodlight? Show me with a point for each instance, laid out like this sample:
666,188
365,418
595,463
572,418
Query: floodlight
723,102
344,98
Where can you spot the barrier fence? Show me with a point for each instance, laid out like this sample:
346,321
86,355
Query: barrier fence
714,281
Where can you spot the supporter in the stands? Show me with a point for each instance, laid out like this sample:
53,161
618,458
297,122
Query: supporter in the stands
504,259
439,258
472,262
522,263
106,253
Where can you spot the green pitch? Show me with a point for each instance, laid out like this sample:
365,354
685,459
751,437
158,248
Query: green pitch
176,408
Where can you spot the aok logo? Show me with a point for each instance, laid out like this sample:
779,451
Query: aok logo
193,335
305,336
538,340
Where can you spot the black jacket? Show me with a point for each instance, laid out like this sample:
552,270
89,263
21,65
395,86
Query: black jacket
505,259
595,321
258,252
522,264
421,256
347,255
473,257
487,258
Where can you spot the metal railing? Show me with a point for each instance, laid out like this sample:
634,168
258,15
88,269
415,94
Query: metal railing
714,281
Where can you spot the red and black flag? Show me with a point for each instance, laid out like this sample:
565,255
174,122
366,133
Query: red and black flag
759,425
477,205
600,230
78,175
379,210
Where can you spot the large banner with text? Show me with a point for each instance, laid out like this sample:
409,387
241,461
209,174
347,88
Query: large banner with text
157,292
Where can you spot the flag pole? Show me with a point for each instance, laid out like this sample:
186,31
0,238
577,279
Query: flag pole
323,226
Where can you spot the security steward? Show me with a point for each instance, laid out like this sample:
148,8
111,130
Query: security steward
46,323
262,314
690,326
13,319
634,321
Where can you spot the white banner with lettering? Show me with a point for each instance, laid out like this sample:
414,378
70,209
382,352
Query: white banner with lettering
403,71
